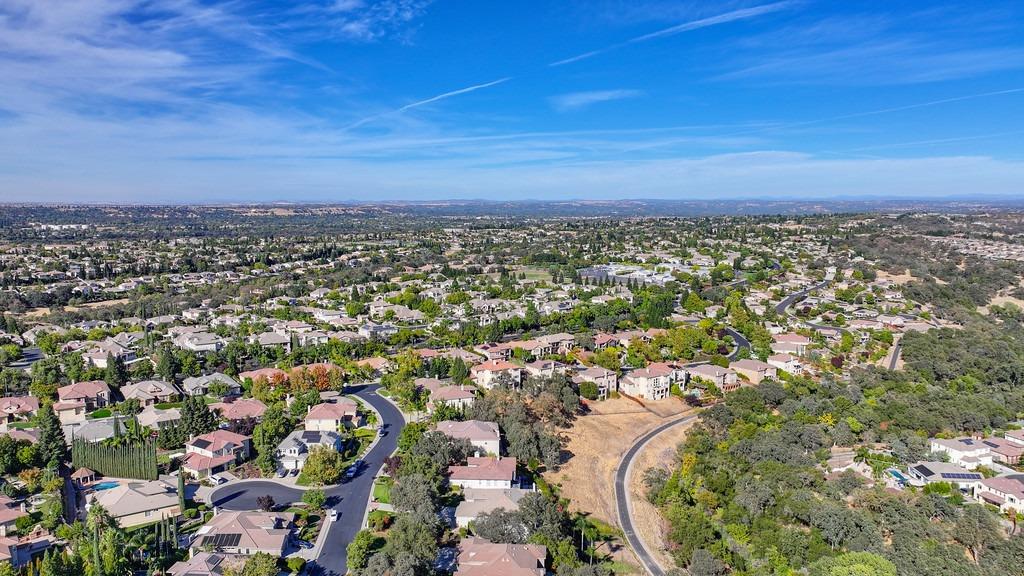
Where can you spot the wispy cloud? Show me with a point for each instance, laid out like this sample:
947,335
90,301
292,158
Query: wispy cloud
430,100
740,14
578,100
362,21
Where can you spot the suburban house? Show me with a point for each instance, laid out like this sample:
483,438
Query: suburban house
561,343
295,448
485,436
476,501
603,340
240,409
272,339
973,452
156,418
94,394
1006,492
967,452
544,368
606,380
651,383
786,362
245,533
271,375
150,392
199,342
459,397
753,370
136,503
332,416
200,385
487,373
478,557
725,379
929,472
20,551
484,473
200,564
14,408
790,343
214,452
10,511
75,400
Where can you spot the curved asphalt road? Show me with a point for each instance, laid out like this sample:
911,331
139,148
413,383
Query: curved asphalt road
623,505
349,499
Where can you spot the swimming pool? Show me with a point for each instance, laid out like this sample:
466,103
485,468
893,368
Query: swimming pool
104,486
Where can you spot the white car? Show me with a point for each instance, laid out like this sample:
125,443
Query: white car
332,515
217,479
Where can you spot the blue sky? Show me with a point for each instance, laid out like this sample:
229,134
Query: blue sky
213,101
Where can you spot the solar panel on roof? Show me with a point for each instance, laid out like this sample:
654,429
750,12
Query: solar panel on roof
924,470
222,540
200,443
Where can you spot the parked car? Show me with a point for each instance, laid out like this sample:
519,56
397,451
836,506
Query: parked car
332,515
217,480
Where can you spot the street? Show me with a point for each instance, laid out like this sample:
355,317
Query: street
350,499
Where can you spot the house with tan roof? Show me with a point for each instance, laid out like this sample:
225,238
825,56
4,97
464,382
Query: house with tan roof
136,503
650,383
240,409
477,501
478,557
75,400
200,564
790,343
725,379
245,533
150,392
10,511
481,472
1006,492
786,362
485,436
333,416
14,408
486,373
753,370
272,375
215,452
20,551
606,380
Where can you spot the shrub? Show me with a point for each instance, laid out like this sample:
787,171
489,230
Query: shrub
296,564
191,513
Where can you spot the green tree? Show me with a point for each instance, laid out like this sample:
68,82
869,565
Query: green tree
260,564
853,564
315,498
361,548
196,417
52,446
323,466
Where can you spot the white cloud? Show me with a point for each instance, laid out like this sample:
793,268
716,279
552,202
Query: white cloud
732,16
578,100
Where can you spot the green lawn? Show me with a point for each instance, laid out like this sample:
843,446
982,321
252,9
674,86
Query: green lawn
101,413
382,491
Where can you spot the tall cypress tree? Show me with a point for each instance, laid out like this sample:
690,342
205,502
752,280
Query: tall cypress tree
51,438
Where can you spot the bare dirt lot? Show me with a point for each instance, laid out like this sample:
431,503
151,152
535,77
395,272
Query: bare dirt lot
597,442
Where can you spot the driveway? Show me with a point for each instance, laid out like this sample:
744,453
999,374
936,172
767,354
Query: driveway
350,499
